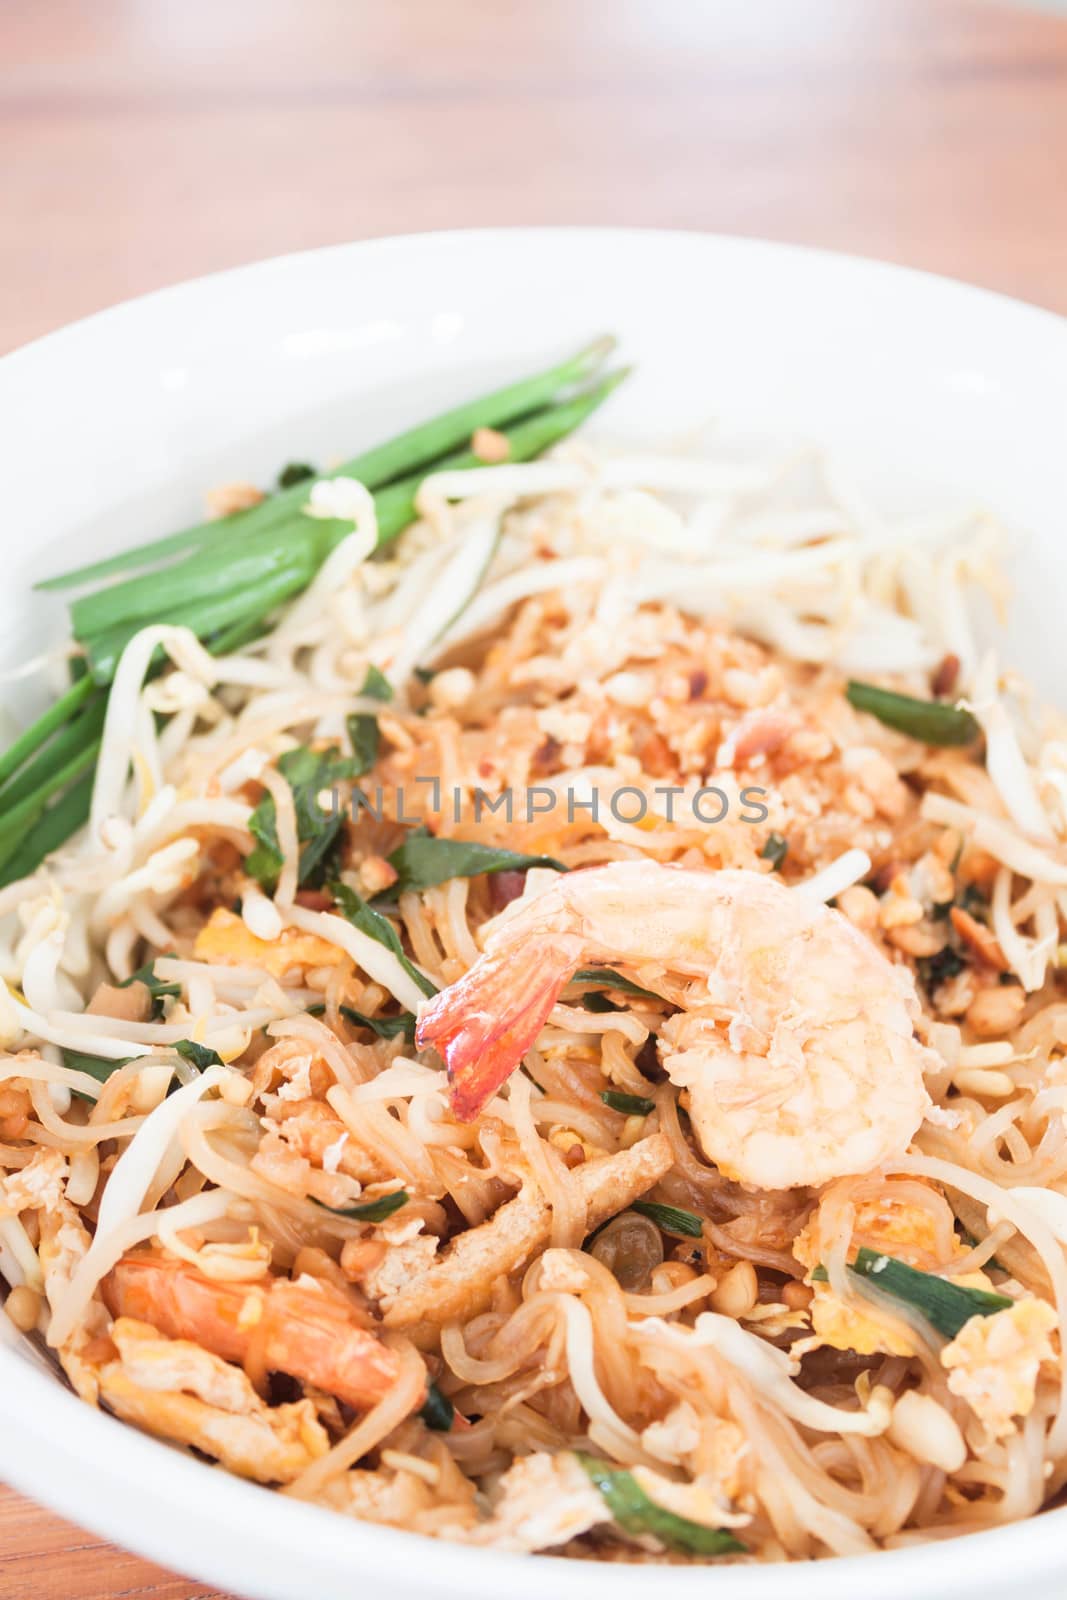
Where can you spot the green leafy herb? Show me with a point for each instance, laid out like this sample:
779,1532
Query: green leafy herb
636,1514
384,1027
371,1210
423,861
945,1305
631,1105
775,850
672,1219
98,1067
200,1056
613,980
437,1411
932,721
598,1002
365,738
376,685
159,990
364,917
296,472
308,773
363,725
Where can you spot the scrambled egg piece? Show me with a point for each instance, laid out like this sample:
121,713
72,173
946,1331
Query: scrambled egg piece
993,1361
545,1501
700,1501
712,1449
225,938
905,1231
39,1186
177,1390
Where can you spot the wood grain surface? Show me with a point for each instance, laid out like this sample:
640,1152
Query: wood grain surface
146,141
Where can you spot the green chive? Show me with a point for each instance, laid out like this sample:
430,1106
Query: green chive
54,828
437,1411
946,1305
671,1219
418,448
932,721
38,732
606,979
371,1210
775,850
636,1514
631,1105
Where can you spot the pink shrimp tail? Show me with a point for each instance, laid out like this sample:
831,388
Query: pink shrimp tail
484,1023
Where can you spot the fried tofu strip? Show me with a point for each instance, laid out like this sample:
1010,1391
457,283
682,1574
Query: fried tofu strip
460,1283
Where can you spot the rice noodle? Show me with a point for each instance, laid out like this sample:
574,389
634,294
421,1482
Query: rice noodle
570,1264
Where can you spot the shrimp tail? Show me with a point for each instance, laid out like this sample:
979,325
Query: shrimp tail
484,1023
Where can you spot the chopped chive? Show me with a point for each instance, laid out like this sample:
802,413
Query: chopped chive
932,721
631,1105
775,850
946,1306
607,979
437,1411
371,1210
672,1219
636,1514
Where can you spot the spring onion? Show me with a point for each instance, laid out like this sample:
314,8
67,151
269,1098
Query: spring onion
225,580
636,1514
371,1210
775,850
606,979
947,1306
419,447
437,1412
630,1105
671,1219
932,721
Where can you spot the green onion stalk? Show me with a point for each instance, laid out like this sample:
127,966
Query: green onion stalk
227,579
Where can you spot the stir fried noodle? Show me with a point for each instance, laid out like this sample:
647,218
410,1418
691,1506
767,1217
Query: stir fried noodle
560,1045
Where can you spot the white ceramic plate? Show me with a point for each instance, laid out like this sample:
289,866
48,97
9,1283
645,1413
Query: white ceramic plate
111,430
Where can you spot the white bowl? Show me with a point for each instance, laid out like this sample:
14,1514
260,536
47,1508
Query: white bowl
112,429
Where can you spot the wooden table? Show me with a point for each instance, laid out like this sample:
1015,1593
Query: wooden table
145,141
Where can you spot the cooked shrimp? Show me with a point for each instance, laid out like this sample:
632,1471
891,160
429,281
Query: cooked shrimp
306,1328
795,1042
